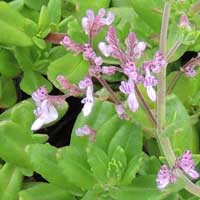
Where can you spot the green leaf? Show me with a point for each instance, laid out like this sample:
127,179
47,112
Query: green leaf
117,165
8,93
39,43
40,138
43,21
13,141
148,10
82,6
45,191
132,168
24,58
44,161
75,171
22,114
137,25
119,3
16,21
31,81
68,66
144,187
101,113
134,193
130,140
182,135
12,36
8,64
185,88
98,161
10,182
36,4
54,10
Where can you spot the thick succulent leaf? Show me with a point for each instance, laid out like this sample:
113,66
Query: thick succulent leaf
13,18
133,167
179,127
128,136
31,81
10,182
45,191
111,131
147,10
36,4
68,66
117,166
8,95
130,20
22,114
13,141
98,161
144,187
119,3
185,88
12,36
54,10
43,159
8,64
102,112
82,6
75,170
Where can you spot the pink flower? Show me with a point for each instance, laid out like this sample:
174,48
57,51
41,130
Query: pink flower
149,82
40,95
184,22
186,163
86,131
165,177
128,88
134,48
88,101
71,45
93,24
45,113
109,70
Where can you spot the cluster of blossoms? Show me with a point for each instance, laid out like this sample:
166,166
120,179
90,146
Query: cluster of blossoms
185,163
128,57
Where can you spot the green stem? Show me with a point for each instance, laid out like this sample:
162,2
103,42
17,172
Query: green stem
161,106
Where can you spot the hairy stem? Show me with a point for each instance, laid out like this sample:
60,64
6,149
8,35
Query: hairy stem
161,103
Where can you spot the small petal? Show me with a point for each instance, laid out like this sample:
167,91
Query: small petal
186,163
47,114
109,70
83,84
105,49
151,93
125,87
132,102
165,177
184,22
40,94
85,130
110,18
88,101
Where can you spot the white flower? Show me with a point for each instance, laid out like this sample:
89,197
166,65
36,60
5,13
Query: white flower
45,113
88,101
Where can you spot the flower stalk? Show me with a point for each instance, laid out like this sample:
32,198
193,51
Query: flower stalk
164,142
